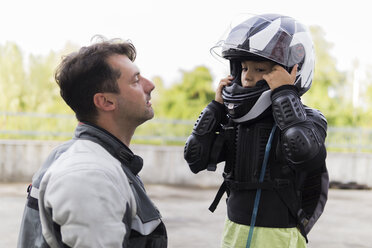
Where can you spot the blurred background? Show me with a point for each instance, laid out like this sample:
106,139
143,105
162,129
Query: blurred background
173,39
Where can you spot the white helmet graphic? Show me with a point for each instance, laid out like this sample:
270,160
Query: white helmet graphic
280,39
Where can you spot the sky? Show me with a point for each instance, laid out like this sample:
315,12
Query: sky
172,36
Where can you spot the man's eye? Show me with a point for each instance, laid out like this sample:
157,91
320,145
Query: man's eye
244,69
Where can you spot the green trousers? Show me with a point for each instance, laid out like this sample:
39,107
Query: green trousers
236,235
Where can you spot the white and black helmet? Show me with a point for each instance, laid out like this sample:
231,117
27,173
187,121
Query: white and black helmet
280,39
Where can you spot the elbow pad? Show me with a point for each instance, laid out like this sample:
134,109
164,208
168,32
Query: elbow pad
193,154
288,109
199,144
301,143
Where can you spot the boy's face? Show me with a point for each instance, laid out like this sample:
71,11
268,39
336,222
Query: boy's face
252,71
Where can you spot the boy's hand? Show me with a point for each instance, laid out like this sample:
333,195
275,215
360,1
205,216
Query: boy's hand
224,82
279,76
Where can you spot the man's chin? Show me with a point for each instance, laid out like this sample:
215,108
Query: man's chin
149,115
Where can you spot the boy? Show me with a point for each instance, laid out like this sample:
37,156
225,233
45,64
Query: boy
273,146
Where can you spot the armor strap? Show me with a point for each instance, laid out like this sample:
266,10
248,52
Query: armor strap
218,197
268,185
239,186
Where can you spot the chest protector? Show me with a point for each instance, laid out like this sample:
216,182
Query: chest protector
289,198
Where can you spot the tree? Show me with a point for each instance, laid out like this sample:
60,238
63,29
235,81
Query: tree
44,94
326,93
366,113
186,99
30,87
13,85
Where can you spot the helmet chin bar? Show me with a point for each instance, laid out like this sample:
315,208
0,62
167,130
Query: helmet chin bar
263,102
244,104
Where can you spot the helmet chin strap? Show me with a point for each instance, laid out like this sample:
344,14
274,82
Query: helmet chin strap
263,102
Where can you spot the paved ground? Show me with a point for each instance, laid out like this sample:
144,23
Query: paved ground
346,223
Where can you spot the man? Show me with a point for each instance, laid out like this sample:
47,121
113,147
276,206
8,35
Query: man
88,193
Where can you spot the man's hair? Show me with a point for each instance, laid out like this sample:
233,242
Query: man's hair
84,73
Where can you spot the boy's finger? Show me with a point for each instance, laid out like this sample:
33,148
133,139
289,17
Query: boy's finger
294,70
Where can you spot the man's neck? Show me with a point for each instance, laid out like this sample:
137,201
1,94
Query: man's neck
124,133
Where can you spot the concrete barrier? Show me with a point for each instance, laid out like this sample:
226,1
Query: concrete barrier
20,159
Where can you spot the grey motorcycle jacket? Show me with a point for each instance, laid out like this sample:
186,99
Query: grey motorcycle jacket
127,217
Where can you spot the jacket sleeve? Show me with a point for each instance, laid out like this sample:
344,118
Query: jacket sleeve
199,145
303,130
86,206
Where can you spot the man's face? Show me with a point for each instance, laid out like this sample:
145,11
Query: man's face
252,71
133,100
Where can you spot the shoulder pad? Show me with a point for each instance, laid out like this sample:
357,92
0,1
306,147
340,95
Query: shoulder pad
317,117
209,119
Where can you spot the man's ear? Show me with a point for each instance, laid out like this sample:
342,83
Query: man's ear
104,101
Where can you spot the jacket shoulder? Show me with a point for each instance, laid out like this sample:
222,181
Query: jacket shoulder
317,117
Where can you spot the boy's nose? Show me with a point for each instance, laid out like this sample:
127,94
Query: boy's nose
248,77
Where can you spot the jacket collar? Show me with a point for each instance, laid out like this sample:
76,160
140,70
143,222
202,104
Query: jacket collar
112,144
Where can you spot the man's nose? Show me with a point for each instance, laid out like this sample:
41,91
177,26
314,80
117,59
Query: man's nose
148,85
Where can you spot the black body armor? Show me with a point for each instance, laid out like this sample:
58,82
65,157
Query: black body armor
295,185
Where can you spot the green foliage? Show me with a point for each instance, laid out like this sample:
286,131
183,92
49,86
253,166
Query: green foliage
368,113
36,126
13,84
329,92
182,101
186,99
29,87
327,79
